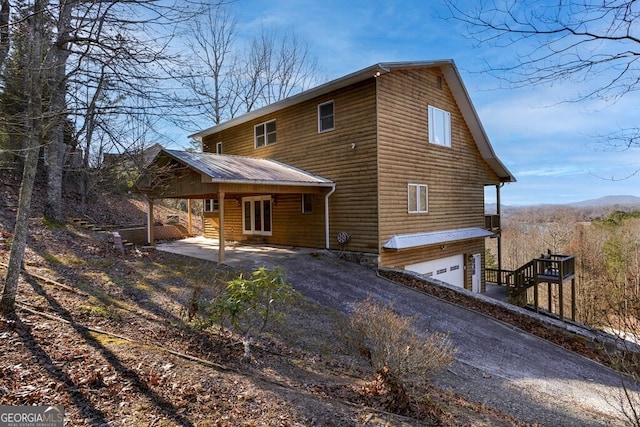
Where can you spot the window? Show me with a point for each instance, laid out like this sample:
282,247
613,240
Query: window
418,198
265,134
219,148
307,203
439,127
211,205
325,116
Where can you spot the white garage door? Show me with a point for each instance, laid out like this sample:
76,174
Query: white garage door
450,269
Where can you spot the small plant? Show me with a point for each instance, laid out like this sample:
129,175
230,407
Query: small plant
248,305
403,360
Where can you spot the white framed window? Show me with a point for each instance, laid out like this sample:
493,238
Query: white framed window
265,133
325,117
439,126
219,148
418,195
211,205
307,203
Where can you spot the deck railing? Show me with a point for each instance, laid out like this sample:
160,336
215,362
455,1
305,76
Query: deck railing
492,222
498,277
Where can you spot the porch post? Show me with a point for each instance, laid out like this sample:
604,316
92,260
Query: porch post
189,218
150,234
221,225
498,210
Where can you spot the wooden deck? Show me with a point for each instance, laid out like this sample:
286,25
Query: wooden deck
550,269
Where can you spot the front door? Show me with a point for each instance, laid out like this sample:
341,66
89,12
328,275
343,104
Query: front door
256,215
476,282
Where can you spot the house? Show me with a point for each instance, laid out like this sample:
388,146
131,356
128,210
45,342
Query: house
390,163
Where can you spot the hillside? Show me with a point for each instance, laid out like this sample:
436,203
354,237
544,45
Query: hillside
106,336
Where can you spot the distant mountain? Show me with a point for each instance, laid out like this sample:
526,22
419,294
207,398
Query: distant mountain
606,201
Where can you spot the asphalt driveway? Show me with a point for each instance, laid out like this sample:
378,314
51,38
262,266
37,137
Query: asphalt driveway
496,364
504,367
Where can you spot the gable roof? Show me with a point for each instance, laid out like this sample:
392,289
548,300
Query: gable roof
451,74
223,168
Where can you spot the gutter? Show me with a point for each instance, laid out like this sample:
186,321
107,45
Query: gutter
326,216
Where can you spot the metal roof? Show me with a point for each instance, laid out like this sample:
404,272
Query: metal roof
414,240
451,74
222,168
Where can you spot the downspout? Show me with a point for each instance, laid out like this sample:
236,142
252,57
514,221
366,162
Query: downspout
326,216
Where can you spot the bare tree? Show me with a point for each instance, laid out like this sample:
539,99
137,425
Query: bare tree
33,138
229,80
118,49
212,40
595,44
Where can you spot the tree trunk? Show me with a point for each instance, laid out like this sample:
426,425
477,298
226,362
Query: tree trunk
57,150
19,243
33,131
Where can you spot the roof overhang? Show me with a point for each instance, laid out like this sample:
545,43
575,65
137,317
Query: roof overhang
416,240
221,169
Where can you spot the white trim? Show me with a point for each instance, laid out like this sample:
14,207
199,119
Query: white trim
304,196
333,117
439,123
418,188
212,205
252,200
415,240
265,135
326,216
219,147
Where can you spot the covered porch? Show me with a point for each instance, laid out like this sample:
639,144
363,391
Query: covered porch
245,192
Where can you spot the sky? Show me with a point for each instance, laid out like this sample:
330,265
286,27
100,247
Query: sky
548,145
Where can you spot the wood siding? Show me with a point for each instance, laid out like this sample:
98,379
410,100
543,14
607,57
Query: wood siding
455,175
346,155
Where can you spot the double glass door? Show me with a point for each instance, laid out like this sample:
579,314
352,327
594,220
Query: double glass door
256,215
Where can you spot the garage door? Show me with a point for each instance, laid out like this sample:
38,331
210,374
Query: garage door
449,269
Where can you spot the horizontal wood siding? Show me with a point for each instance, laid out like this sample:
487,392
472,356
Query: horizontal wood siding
346,155
210,224
455,175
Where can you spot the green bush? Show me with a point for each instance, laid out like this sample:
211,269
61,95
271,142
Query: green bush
249,304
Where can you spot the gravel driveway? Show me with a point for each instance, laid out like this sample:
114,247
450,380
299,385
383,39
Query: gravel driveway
499,365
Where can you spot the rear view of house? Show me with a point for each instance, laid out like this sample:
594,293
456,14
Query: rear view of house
389,163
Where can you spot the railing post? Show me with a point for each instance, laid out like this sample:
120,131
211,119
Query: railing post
560,287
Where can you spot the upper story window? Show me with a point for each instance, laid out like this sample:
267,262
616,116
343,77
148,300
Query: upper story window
439,127
418,198
211,205
325,116
219,148
265,133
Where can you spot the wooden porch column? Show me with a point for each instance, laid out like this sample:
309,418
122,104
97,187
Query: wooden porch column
498,212
221,227
150,234
189,218
573,299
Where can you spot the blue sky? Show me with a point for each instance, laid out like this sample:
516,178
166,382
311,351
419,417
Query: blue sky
549,146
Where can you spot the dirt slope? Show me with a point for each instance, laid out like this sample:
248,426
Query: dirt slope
106,337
